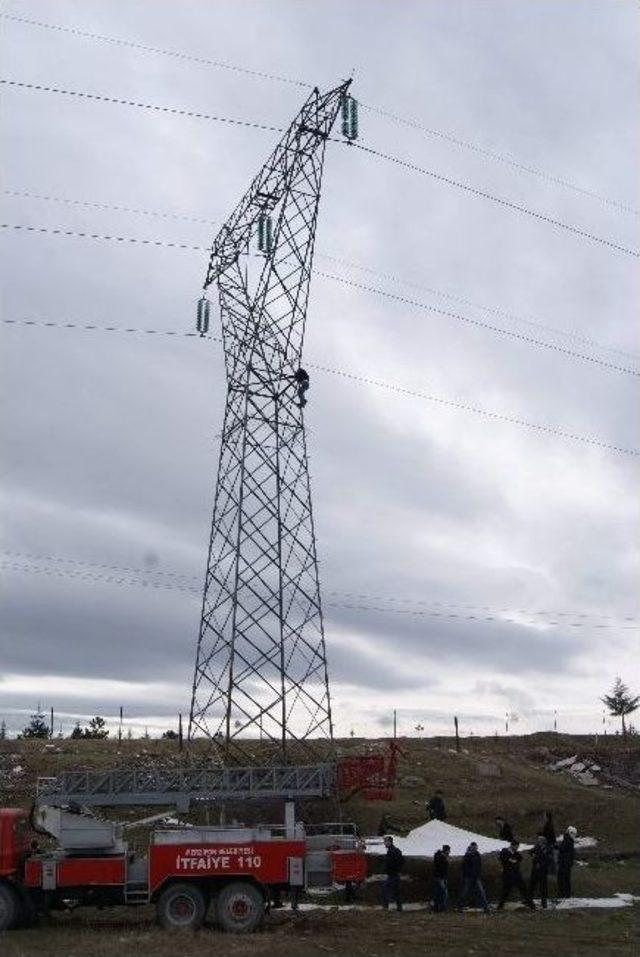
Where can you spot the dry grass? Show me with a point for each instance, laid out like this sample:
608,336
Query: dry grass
559,934
522,791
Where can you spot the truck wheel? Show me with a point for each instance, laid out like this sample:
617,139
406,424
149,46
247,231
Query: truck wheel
240,908
28,909
181,905
9,906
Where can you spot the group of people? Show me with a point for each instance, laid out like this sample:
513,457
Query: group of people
548,856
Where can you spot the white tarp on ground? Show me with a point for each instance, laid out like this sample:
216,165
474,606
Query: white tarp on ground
425,840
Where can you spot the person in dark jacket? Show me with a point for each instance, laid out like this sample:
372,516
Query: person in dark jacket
511,859
548,829
436,809
441,879
471,874
566,858
541,862
505,831
393,868
302,379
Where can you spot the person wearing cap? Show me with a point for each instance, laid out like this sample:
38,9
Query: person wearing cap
566,858
511,859
441,878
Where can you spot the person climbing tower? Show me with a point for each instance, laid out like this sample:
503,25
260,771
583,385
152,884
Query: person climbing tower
302,379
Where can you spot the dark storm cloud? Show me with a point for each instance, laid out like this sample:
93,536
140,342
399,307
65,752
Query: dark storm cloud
110,448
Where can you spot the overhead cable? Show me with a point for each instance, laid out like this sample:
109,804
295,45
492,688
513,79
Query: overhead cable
501,158
350,264
360,379
507,203
509,333
405,164
99,578
119,41
262,75
193,114
185,578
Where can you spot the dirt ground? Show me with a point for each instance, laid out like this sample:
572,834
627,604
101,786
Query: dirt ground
520,790
586,933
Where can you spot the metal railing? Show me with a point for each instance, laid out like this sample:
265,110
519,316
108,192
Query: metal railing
160,786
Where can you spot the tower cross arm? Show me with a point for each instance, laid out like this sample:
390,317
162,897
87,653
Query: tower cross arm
310,128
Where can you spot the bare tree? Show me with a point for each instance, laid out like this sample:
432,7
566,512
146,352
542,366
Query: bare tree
621,702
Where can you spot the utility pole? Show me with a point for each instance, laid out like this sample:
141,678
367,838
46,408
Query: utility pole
455,724
120,725
261,666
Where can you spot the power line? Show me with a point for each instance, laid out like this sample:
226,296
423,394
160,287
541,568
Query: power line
93,327
258,74
193,114
107,206
77,234
501,158
492,310
509,333
508,204
184,577
360,379
569,334
530,340
96,577
405,164
204,61
476,410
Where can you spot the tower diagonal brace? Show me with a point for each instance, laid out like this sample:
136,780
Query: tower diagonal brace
261,666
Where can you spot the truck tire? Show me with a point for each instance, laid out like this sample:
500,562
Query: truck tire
240,908
9,906
28,909
181,906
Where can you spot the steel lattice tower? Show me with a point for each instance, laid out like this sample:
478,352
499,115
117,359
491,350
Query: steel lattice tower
261,668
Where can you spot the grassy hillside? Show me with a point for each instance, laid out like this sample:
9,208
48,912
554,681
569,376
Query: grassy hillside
519,787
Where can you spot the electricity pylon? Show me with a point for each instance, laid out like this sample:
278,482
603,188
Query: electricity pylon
261,667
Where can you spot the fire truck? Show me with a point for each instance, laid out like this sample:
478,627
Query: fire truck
228,874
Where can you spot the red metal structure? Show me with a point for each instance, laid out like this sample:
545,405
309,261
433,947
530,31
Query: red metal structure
187,872
371,775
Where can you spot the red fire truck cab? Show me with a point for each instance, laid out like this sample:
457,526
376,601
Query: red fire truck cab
187,872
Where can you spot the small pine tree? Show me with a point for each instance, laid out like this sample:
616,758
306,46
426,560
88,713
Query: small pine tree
96,729
37,727
77,731
621,702
3,730
170,734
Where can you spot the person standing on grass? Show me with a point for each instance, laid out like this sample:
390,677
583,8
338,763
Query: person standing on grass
541,862
436,809
441,879
505,831
394,863
566,858
471,874
511,859
548,829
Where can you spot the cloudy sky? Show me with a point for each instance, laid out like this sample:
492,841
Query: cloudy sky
494,562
